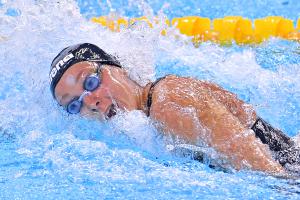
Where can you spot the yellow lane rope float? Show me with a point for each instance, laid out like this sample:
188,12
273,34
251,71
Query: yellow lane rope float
221,30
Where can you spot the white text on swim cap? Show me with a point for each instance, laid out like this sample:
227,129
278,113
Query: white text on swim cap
59,65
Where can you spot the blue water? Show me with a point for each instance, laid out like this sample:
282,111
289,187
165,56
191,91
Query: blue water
46,154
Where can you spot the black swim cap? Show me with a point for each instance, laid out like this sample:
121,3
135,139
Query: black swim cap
75,54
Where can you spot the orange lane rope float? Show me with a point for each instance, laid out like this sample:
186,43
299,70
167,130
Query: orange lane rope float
221,30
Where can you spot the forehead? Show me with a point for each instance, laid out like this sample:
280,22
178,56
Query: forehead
67,83
78,67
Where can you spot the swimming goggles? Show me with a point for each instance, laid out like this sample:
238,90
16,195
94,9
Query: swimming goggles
90,84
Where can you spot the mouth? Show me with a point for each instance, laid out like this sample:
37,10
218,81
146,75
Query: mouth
111,112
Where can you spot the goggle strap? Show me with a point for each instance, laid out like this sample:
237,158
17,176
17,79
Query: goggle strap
83,95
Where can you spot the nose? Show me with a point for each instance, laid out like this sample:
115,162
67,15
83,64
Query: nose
92,102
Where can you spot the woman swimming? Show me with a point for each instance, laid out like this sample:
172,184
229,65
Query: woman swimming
86,80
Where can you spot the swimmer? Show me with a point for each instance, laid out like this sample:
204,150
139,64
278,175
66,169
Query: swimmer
85,80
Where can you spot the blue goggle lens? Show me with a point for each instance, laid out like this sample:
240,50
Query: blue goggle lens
91,83
74,107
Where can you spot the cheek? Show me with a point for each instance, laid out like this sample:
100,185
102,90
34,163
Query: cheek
106,92
117,91
124,99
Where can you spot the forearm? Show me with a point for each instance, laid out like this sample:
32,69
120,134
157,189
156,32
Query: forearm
248,152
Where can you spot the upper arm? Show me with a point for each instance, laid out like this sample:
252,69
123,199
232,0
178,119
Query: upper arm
209,120
178,120
244,112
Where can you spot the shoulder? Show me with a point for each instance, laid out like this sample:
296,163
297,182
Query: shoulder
173,81
179,91
175,85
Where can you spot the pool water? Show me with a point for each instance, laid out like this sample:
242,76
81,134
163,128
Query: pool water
46,154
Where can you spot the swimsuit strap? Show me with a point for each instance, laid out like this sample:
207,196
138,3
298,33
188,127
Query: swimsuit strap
149,99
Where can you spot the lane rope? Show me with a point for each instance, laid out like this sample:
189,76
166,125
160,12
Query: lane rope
221,30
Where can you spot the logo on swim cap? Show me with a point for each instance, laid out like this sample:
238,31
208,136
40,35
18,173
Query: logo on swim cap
59,65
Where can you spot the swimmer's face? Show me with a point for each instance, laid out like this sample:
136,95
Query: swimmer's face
113,93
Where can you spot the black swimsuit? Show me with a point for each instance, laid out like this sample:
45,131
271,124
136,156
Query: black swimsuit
284,149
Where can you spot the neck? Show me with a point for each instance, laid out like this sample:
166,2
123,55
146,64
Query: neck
143,98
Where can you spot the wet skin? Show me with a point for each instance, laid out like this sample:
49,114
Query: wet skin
191,109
